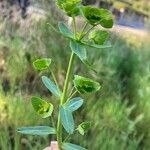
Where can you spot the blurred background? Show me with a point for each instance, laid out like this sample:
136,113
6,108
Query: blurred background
120,112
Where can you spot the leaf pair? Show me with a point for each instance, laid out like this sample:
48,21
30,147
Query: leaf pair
42,64
43,108
79,47
65,31
45,130
66,113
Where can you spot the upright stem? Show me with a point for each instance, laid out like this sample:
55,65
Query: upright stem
66,84
64,94
63,98
67,78
75,27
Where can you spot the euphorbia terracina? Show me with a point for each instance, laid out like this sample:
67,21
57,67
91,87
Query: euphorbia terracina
80,40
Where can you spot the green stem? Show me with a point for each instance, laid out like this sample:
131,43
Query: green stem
67,138
71,91
65,89
87,32
83,29
64,94
54,78
73,94
67,78
75,27
63,98
53,122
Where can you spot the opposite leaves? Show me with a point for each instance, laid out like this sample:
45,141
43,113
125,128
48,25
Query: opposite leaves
85,85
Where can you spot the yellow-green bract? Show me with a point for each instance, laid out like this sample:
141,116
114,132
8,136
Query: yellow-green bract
97,16
43,108
71,7
99,36
85,85
84,127
42,64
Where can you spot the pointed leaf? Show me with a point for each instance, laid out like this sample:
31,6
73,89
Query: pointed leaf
74,103
43,108
69,146
65,31
42,64
79,49
84,127
51,86
37,130
67,119
85,85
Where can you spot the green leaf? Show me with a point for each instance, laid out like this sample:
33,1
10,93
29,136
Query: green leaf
37,130
97,16
74,103
65,31
71,7
79,49
99,36
107,18
85,85
84,127
69,146
42,64
67,119
43,108
51,86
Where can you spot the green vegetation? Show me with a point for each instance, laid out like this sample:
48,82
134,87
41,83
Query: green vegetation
119,112
68,103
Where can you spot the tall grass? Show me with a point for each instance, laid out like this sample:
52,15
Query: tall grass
17,112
